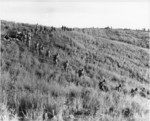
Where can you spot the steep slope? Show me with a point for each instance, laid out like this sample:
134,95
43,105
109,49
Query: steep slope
41,72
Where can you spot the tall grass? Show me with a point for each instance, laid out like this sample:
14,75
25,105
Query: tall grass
37,90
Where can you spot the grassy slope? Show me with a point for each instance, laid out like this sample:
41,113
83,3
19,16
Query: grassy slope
30,82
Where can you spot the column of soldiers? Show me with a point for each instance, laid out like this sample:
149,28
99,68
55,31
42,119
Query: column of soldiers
80,72
42,51
39,48
24,37
53,28
108,27
66,28
43,29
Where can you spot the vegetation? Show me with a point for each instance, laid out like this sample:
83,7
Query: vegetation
66,74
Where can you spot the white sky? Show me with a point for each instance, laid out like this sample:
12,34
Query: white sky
132,14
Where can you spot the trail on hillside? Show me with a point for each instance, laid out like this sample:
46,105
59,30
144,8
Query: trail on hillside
80,73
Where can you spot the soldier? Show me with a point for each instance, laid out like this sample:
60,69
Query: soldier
24,38
29,36
55,58
41,48
101,83
102,86
107,27
26,42
133,91
53,28
66,64
32,30
148,92
29,43
81,72
48,53
62,27
36,28
48,114
37,45
118,88
20,36
45,29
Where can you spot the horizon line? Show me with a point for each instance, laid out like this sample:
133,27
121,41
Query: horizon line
88,27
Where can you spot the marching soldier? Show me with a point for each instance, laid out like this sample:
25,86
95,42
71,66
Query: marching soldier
20,36
24,38
37,45
29,36
29,43
81,72
63,28
119,87
102,86
41,48
55,59
53,28
133,91
36,28
48,53
66,65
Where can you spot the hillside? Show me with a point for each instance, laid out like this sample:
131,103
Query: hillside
94,74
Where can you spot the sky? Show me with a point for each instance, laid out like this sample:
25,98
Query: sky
133,14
